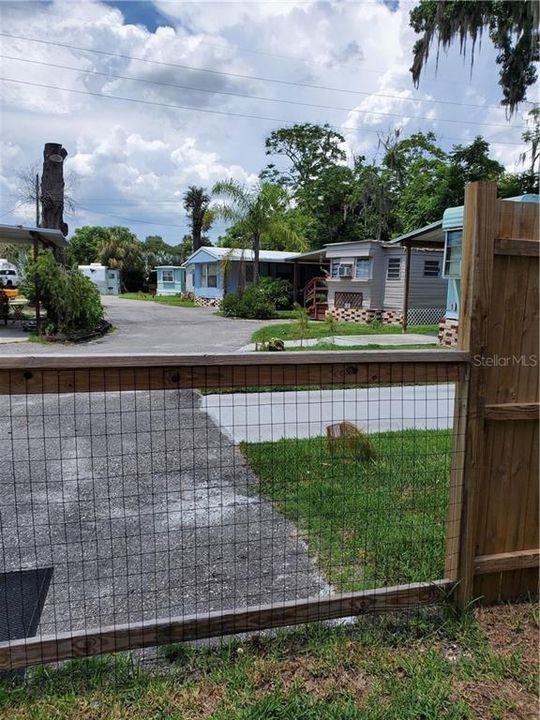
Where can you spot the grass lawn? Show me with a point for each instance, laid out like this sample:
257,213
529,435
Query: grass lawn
369,346
429,665
162,299
317,329
367,523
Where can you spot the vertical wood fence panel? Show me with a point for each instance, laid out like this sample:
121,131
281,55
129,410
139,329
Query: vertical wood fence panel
495,474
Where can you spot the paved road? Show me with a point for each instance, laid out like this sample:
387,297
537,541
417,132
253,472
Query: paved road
151,327
143,509
254,417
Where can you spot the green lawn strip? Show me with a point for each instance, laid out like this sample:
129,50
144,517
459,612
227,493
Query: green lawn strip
370,346
318,329
396,666
367,523
161,299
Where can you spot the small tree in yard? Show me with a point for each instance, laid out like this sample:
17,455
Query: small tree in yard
301,322
331,324
71,301
258,213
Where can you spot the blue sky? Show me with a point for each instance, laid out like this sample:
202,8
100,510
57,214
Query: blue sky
149,98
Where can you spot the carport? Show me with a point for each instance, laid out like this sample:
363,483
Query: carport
34,237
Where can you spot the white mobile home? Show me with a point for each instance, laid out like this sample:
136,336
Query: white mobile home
107,280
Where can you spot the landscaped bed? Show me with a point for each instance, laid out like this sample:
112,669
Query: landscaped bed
314,329
429,665
368,523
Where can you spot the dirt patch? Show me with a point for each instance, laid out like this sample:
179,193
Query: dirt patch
510,629
494,700
315,678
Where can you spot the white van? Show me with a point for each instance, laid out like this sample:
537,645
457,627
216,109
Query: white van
9,277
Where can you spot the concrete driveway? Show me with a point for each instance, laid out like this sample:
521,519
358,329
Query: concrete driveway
152,327
267,417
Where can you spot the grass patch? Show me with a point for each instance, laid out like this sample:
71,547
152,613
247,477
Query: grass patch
367,523
370,346
161,299
431,664
318,329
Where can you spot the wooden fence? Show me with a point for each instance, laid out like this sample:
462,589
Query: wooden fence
493,526
492,533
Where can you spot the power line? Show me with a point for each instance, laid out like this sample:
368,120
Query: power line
251,97
239,75
204,110
131,219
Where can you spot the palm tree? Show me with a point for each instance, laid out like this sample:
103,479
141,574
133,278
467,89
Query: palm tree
258,215
196,202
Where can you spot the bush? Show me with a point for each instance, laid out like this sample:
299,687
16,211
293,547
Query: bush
276,291
251,304
71,301
257,301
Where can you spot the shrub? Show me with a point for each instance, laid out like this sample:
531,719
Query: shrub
276,291
251,304
71,301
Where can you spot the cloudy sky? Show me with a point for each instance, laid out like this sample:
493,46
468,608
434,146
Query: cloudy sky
150,97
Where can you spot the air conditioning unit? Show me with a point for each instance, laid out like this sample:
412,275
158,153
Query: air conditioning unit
345,271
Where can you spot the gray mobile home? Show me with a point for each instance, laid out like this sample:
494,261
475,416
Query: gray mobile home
368,281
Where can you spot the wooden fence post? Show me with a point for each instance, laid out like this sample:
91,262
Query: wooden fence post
492,542
479,231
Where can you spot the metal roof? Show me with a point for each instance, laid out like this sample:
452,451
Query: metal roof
241,254
428,236
20,235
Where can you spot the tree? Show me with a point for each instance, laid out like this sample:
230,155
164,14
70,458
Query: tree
309,149
469,163
512,26
84,246
196,205
123,250
258,214
414,177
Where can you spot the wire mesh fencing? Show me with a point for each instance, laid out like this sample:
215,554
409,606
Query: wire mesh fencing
145,505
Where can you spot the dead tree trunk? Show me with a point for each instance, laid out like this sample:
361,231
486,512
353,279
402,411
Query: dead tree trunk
52,188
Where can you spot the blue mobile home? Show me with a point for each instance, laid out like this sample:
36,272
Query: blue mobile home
452,227
213,271
171,280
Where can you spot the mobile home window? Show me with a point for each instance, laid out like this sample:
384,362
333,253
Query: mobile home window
393,271
452,253
363,268
432,268
168,276
209,275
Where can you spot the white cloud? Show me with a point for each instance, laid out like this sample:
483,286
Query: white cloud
135,160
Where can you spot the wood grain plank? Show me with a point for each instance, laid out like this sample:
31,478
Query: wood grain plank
479,232
501,562
144,360
513,411
111,379
511,246
84,643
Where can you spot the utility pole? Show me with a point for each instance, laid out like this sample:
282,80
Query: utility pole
37,199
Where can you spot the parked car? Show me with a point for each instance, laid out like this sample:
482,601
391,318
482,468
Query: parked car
9,278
